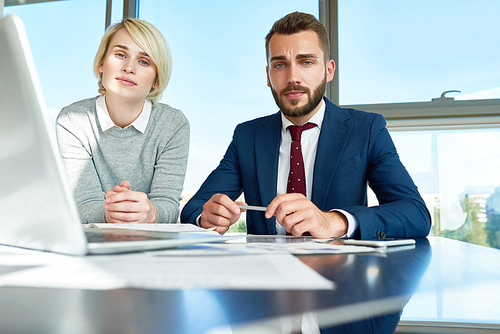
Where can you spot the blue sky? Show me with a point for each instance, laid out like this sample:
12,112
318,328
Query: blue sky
410,51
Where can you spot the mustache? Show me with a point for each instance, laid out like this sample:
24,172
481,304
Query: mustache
295,88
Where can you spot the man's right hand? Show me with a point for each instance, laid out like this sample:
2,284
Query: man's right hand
220,212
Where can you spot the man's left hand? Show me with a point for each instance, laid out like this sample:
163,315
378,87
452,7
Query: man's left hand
298,215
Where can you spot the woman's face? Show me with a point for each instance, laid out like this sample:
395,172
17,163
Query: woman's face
127,71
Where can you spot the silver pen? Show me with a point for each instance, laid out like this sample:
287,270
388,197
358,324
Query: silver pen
251,207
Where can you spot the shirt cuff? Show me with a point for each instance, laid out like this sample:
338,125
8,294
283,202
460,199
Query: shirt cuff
197,221
352,222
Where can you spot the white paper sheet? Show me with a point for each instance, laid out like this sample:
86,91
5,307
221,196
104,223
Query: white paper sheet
247,272
154,227
69,273
310,247
142,270
235,248
51,270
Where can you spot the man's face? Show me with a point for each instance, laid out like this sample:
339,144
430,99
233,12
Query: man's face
297,72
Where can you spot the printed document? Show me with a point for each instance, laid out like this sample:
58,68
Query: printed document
275,271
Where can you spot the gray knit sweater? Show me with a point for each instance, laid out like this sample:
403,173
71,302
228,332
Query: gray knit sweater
95,161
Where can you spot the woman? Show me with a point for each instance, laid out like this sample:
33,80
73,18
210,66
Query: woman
126,154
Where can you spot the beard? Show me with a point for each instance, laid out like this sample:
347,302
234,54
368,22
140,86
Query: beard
312,102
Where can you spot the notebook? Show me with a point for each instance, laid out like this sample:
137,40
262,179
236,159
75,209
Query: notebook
37,209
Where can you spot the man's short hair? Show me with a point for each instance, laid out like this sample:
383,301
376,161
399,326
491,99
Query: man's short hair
297,22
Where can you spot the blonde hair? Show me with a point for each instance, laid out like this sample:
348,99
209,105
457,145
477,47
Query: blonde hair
149,39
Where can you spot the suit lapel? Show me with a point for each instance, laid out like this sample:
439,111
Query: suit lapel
332,141
267,143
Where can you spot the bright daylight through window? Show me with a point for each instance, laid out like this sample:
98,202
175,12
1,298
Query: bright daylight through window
399,55
390,52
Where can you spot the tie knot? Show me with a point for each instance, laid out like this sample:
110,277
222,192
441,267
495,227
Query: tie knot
296,130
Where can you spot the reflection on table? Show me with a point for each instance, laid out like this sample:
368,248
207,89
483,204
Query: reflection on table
459,292
372,291
445,283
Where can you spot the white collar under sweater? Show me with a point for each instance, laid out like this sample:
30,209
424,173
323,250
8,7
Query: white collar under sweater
105,120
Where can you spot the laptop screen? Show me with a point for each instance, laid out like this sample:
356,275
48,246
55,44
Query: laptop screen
36,206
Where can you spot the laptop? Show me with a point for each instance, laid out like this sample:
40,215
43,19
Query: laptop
37,209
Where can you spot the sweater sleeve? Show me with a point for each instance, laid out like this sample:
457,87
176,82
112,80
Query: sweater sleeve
81,173
170,170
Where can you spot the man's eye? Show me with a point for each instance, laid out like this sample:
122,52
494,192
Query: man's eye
279,65
308,62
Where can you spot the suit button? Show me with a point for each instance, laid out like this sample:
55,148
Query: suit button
380,235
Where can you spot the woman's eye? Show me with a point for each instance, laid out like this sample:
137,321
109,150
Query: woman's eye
143,62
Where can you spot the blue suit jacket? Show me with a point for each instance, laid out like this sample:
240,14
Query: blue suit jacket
354,150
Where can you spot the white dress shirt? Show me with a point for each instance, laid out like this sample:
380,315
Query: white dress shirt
309,143
106,122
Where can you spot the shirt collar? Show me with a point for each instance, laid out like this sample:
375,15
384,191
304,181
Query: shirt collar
316,119
105,120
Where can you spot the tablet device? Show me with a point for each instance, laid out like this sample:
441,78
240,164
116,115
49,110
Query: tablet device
388,242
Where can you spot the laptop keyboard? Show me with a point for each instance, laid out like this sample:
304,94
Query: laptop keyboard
118,236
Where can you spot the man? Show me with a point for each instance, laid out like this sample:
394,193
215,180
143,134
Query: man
342,151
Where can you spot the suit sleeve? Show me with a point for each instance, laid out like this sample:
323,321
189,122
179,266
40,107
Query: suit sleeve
401,211
225,179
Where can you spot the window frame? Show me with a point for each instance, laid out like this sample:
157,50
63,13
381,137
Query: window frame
438,112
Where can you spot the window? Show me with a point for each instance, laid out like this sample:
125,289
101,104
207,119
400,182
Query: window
218,79
392,56
219,75
64,47
409,51
456,171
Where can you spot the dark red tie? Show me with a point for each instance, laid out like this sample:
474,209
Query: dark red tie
297,175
